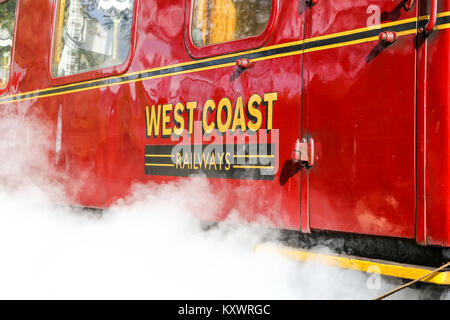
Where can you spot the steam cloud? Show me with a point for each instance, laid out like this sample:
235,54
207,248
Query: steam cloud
148,246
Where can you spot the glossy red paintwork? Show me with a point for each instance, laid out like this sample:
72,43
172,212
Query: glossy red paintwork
434,216
363,104
364,177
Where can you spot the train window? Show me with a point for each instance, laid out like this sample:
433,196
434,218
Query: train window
91,35
7,20
219,27
218,21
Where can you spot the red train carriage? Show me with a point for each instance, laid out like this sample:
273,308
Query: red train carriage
314,116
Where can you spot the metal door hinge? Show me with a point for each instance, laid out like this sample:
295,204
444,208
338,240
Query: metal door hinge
304,152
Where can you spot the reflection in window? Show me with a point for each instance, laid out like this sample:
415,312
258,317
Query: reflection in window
91,35
7,19
217,21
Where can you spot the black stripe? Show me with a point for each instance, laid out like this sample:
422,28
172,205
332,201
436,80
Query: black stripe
443,20
360,35
196,159
225,60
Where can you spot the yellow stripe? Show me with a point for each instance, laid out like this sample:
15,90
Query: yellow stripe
252,167
442,26
338,34
254,156
332,46
288,54
353,31
159,165
442,14
359,41
182,64
159,155
342,44
385,268
118,83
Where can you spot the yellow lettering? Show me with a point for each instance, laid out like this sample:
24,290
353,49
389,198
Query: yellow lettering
220,159
178,162
153,121
239,118
178,119
186,160
213,160
166,119
224,103
270,98
191,106
254,113
208,128
204,161
228,166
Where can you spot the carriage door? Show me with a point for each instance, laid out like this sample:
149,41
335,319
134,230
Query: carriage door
360,79
248,92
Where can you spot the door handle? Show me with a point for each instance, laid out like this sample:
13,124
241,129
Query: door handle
304,152
244,63
388,36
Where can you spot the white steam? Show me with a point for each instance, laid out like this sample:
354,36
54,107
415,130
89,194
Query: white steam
148,246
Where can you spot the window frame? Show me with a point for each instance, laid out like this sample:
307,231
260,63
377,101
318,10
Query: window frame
229,46
13,49
97,73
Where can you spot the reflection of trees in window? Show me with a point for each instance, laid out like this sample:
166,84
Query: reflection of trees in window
217,21
252,18
95,34
7,19
105,13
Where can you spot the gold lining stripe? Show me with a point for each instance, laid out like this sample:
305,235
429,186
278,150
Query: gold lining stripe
334,35
358,264
159,155
442,26
337,45
280,55
118,83
353,31
252,167
159,165
282,45
359,41
254,156
440,15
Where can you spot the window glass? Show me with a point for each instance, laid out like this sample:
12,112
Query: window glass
217,21
7,19
91,35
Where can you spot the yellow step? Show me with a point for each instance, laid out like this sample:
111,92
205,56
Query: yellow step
385,268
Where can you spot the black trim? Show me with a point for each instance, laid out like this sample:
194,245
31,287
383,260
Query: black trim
199,156
367,246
